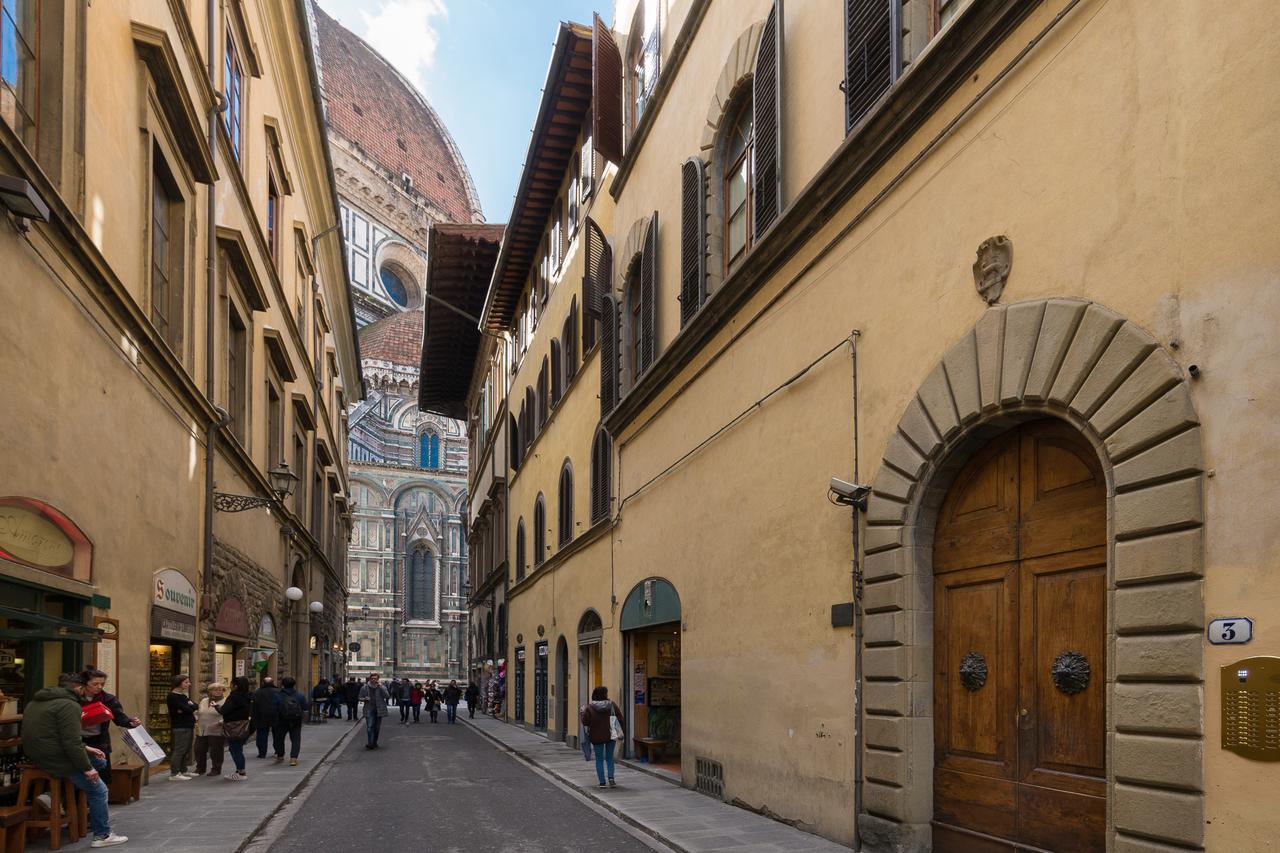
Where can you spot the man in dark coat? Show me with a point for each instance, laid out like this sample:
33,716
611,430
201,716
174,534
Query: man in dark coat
351,693
472,697
452,696
51,741
264,713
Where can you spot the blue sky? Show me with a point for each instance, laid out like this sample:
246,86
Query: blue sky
481,64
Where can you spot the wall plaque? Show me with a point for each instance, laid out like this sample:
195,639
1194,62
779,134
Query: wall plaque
1237,629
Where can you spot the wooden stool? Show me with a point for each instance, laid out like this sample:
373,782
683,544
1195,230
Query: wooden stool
126,784
63,805
13,828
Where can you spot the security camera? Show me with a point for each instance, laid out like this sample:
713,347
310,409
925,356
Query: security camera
850,494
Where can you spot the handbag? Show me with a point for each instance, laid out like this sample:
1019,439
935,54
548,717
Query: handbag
236,729
93,714
615,727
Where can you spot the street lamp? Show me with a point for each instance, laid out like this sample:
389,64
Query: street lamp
282,481
293,594
316,607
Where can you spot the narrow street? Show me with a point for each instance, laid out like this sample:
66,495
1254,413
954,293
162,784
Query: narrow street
442,788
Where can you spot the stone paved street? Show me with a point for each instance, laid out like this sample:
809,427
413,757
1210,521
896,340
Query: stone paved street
441,788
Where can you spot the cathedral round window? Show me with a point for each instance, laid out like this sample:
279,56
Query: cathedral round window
395,287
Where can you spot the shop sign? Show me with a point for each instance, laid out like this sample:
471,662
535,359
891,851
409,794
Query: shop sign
176,629
29,537
172,591
232,619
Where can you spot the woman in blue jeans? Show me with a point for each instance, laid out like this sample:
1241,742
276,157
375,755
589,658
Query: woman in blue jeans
596,717
235,712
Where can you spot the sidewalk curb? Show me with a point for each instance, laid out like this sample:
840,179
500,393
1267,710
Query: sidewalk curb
586,793
292,792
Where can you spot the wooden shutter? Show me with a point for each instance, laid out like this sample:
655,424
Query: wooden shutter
588,161
869,56
693,236
610,351
649,295
606,92
557,371
595,281
600,468
766,115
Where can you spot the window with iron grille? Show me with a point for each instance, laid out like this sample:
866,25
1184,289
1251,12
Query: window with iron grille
709,777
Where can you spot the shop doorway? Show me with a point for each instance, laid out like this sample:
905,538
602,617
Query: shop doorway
167,660
1020,584
519,684
540,687
651,654
41,635
562,690
590,671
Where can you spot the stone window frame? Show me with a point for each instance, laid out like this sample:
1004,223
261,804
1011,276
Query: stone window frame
732,85
1088,366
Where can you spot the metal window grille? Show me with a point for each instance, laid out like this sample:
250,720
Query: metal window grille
710,777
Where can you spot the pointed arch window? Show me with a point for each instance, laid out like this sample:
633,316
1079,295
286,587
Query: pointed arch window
565,519
429,450
601,460
539,530
520,549
421,585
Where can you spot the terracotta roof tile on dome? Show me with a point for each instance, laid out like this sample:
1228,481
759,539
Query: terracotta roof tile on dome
374,106
397,339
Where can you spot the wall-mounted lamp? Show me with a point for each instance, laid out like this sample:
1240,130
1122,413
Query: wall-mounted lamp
21,199
315,607
293,594
282,481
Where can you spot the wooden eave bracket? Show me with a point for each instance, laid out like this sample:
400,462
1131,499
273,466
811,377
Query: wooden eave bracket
232,242
156,52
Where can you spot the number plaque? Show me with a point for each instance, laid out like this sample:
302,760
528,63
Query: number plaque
1237,629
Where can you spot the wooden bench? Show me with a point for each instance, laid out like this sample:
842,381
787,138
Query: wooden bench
652,748
13,828
126,784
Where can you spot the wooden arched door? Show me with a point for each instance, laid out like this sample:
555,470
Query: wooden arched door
1020,647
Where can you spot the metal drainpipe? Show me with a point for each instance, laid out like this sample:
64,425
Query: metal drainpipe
857,608
211,252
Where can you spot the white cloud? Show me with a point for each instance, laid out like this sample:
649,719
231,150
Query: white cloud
403,32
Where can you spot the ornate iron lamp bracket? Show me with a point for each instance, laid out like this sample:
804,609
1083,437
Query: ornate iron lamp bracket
238,503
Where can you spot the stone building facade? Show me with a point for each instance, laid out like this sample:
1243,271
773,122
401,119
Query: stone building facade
397,170
992,282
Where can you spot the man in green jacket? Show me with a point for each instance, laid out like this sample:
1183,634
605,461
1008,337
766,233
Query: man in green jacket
51,741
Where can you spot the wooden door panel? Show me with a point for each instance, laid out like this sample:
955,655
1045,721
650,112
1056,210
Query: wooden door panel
978,521
1063,604
1062,500
976,803
977,614
1059,821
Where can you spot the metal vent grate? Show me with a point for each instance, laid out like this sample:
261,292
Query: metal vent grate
710,776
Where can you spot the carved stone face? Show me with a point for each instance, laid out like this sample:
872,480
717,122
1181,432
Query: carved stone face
991,269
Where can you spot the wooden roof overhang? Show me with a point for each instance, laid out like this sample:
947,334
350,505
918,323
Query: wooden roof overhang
566,98
460,261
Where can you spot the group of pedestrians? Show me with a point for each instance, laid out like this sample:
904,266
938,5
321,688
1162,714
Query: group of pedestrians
410,697
330,697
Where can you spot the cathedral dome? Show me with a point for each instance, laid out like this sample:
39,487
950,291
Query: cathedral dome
397,339
374,107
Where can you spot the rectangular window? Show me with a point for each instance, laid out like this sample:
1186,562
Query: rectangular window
233,88
299,468
19,77
273,219
166,251
237,368
275,426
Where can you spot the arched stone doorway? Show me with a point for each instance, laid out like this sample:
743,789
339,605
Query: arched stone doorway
1126,398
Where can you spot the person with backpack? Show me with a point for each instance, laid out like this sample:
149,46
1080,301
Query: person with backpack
472,698
452,696
263,718
375,698
291,710
603,719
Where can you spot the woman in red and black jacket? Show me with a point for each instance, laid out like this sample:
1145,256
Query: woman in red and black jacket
98,735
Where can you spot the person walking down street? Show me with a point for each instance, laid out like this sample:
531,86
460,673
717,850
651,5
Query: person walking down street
433,697
210,740
182,724
597,716
415,701
99,735
236,710
375,698
335,700
406,702
319,698
264,713
452,696
472,698
291,710
351,693
51,740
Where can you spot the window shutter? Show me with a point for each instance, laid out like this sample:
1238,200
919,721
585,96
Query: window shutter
649,295
693,231
594,281
609,355
600,468
868,56
571,342
557,372
767,123
588,162
606,92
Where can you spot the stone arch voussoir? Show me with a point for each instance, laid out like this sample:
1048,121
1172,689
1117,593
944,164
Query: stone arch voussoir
1085,364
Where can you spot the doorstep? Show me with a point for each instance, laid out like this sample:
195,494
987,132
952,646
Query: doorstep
661,807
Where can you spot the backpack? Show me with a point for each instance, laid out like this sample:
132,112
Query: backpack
290,708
